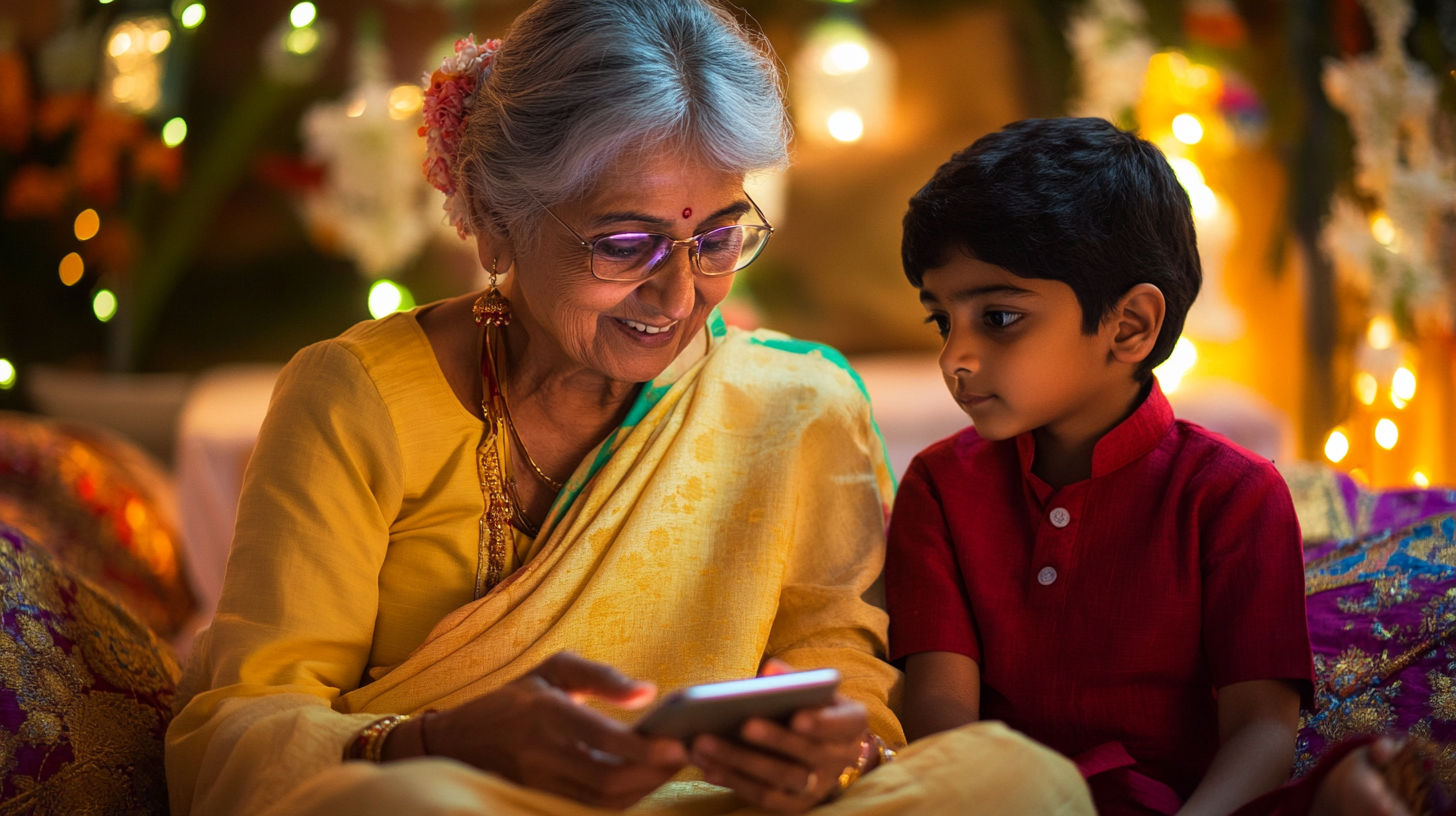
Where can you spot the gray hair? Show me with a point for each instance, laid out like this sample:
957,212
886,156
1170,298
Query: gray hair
578,82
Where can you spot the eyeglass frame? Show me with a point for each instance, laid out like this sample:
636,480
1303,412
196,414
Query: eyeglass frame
693,241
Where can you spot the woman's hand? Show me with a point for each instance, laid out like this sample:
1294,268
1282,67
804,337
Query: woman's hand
536,732
1356,786
788,770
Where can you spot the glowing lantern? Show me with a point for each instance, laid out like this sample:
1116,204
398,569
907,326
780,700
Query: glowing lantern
843,83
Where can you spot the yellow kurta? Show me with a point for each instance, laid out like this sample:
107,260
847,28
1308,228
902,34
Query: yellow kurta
737,514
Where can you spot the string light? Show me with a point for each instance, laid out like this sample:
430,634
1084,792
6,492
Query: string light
1382,228
7,374
193,15
1386,434
846,125
1171,373
1366,388
302,15
1420,480
845,58
135,61
1403,384
1380,334
174,132
72,268
103,305
1187,129
1337,446
88,223
387,297
404,101
301,40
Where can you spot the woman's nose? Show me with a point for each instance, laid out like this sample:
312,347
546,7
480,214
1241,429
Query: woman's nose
670,290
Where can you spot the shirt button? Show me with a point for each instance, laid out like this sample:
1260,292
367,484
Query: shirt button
1060,517
1047,576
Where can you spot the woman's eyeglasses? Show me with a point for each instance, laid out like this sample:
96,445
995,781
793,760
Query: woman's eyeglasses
634,256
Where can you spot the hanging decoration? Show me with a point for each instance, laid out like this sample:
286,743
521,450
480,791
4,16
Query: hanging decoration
844,82
373,205
1110,50
1384,238
135,63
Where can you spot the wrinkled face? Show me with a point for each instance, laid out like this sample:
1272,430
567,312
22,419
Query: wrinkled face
630,331
1015,357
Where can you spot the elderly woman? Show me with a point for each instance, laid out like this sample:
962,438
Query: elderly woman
475,536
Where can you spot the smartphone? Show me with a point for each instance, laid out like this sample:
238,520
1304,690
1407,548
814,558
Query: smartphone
722,708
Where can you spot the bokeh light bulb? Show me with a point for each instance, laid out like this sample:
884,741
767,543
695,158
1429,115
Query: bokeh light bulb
301,40
387,297
302,14
1337,446
88,223
72,268
846,125
1189,175
1380,334
845,58
1420,480
7,374
174,132
1383,229
1172,371
1187,129
1386,434
193,15
1403,384
1366,388
103,305
404,101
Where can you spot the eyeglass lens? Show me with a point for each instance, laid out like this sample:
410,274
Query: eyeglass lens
635,255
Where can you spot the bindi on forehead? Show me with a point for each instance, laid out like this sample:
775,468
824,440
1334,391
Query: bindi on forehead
687,212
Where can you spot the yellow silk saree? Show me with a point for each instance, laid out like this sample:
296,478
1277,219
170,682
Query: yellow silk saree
737,514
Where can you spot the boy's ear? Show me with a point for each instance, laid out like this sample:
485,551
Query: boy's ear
1137,319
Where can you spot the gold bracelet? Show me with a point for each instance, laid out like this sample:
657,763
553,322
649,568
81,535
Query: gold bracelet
886,753
369,744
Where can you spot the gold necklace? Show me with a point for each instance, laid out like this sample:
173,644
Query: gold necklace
503,506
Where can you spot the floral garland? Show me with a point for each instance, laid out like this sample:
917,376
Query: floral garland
449,97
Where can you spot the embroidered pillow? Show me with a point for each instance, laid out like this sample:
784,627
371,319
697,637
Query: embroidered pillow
85,693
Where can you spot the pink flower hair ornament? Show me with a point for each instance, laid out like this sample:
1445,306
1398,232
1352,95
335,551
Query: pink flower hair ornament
449,98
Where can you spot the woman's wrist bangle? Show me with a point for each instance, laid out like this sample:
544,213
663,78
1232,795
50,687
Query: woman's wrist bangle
871,746
884,753
369,744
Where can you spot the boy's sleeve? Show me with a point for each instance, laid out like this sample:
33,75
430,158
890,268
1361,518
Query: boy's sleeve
1254,625
929,608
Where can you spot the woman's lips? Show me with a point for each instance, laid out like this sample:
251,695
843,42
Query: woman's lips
974,400
646,333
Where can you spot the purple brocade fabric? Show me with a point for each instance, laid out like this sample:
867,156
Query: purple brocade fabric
102,508
1382,612
85,693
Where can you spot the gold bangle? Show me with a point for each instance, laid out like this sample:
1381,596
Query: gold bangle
886,753
369,744
852,773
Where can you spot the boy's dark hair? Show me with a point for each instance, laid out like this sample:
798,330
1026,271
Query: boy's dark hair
1072,200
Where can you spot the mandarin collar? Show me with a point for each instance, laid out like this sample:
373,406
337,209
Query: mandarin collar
1130,440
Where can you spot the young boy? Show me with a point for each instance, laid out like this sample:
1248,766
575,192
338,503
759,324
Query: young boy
1120,585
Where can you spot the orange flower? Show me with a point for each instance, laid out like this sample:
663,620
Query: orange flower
96,156
155,161
57,114
14,102
36,191
114,247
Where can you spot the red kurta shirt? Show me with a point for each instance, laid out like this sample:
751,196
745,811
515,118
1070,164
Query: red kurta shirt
1108,611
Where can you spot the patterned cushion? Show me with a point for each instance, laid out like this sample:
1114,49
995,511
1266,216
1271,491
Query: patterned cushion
102,507
1382,612
85,693
1332,506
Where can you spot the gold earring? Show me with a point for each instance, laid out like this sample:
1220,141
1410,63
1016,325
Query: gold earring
493,308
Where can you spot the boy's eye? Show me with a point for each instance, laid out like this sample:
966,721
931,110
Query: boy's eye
942,324
1001,320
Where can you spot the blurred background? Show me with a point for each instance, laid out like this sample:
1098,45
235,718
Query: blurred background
191,191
